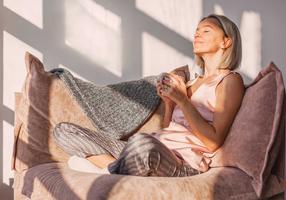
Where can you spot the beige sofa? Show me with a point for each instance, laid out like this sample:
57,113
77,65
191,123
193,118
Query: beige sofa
41,171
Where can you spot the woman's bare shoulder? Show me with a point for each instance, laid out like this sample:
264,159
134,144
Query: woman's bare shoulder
234,79
232,84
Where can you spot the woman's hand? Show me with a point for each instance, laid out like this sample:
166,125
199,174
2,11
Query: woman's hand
160,88
174,88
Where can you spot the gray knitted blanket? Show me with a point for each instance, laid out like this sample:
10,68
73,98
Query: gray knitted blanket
118,109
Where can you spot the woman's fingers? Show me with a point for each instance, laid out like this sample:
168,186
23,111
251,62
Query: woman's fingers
171,86
176,78
167,81
166,91
159,86
168,84
159,89
170,78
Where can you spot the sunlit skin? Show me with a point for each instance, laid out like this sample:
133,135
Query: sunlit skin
102,160
209,43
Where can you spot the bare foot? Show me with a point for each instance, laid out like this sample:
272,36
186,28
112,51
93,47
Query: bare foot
101,160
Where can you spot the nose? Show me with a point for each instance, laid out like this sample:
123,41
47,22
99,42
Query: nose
197,34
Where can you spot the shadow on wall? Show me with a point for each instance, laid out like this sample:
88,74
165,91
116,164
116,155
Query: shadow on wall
51,42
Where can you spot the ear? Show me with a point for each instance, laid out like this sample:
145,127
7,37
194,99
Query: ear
226,43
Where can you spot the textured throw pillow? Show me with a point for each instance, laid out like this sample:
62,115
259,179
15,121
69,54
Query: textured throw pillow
254,139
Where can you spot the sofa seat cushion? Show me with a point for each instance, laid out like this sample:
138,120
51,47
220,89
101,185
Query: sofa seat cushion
57,181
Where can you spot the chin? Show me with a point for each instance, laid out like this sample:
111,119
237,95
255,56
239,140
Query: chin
198,53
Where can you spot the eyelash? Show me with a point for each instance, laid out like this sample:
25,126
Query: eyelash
206,31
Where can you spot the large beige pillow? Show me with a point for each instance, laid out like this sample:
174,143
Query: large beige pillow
43,103
254,138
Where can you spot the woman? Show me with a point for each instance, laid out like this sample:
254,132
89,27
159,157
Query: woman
198,114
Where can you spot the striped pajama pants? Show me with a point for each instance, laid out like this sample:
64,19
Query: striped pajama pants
141,155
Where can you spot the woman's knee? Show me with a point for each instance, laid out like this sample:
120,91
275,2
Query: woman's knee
141,152
139,139
137,136
142,145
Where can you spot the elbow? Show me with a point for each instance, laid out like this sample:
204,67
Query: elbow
216,141
214,146
165,124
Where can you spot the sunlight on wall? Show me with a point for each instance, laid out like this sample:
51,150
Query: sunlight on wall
14,72
181,16
159,57
94,32
31,10
251,43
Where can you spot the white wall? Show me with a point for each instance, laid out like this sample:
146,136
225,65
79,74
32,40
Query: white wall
112,41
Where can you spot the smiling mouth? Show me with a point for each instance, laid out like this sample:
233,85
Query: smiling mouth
197,42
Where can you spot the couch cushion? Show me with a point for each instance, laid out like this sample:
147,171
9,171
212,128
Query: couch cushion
56,181
252,144
43,103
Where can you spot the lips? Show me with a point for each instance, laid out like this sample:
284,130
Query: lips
197,42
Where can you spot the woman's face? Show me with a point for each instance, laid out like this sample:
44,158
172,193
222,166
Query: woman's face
209,37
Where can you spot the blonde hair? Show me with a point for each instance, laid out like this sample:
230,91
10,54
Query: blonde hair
232,55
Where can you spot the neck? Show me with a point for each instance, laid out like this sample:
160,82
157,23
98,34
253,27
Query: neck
212,62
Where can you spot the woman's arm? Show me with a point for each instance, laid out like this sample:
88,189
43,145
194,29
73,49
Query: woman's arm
182,72
168,110
168,104
229,95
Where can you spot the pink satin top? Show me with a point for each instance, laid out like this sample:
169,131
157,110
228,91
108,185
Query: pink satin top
178,135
